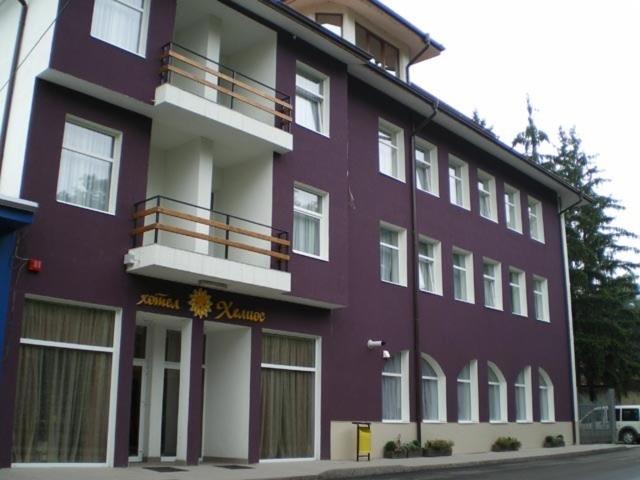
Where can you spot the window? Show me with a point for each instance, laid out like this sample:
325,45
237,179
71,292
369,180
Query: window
523,395
64,397
463,276
536,225
513,217
487,196
331,21
492,282
89,166
540,299
384,54
630,415
391,150
518,292
310,225
426,167
458,182
547,407
122,23
289,380
395,389
430,266
497,394
468,393
434,407
311,109
393,255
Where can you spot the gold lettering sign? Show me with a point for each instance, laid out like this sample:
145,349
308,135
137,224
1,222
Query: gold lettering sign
225,309
161,300
200,303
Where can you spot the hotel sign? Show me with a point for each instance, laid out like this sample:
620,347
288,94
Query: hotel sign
201,305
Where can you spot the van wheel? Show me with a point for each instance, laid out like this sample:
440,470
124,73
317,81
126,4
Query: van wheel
628,437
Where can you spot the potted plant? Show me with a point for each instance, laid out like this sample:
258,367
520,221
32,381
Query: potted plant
552,442
437,448
506,444
394,449
413,449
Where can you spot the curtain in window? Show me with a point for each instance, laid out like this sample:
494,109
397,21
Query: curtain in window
464,394
426,275
307,112
306,233
392,389
287,398
387,153
544,404
118,22
459,277
521,397
494,396
429,392
485,203
85,167
489,286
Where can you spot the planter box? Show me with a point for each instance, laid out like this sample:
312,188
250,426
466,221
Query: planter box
395,454
415,453
430,452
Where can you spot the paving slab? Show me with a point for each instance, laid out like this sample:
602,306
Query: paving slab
299,470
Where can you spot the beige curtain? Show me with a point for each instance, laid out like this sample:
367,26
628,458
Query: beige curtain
293,351
62,397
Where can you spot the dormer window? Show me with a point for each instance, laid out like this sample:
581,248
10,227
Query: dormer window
331,21
384,54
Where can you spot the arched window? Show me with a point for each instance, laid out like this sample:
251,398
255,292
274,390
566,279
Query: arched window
547,404
468,393
434,400
497,394
523,395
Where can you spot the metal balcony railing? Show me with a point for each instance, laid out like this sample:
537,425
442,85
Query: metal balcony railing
226,236
209,79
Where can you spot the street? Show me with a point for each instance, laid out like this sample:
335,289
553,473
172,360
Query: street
608,466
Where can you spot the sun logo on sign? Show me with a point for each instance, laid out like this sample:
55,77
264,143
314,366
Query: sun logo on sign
200,303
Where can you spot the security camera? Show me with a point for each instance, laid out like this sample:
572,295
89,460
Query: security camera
386,354
371,344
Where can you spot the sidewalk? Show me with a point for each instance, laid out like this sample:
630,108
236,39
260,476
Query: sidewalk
308,470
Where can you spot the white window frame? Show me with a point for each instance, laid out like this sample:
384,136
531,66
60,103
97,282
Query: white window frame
115,161
490,192
404,388
323,100
436,262
430,152
497,279
535,210
526,387
517,208
323,217
397,144
144,27
442,389
543,293
502,386
468,271
547,390
522,292
401,248
115,367
473,384
463,178
317,385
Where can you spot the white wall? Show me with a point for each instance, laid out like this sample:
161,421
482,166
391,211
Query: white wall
246,190
227,390
41,15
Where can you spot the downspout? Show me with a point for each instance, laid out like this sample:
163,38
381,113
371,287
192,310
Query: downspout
416,280
427,45
12,79
572,352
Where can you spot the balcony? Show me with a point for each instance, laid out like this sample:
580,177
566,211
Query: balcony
200,96
186,243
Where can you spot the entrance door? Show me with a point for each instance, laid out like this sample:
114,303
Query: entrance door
139,395
170,395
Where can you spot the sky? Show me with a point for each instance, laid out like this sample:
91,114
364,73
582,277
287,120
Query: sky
578,60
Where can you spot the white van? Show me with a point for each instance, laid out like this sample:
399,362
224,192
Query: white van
628,423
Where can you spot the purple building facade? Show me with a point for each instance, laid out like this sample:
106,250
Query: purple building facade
255,231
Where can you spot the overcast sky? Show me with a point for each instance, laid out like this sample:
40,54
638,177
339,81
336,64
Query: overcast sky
579,60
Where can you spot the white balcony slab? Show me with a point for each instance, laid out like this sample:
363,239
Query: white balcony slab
182,266
231,131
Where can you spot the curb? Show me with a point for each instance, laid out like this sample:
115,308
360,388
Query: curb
368,472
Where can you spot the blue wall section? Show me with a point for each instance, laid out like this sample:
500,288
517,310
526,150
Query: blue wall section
7,243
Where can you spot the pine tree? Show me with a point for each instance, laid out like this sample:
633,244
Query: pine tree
532,137
482,122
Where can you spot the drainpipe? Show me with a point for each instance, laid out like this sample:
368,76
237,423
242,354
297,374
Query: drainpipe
12,78
427,45
416,280
572,352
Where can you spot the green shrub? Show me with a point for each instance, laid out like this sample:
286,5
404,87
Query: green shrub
505,444
390,446
437,448
551,441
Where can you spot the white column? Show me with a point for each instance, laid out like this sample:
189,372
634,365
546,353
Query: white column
155,365
185,384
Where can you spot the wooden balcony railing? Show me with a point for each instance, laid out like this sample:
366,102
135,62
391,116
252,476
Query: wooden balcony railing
162,214
231,86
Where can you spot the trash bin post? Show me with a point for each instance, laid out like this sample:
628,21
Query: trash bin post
363,440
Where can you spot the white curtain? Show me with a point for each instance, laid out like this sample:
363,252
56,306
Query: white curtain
118,22
521,402
387,154
392,389
515,294
85,167
306,233
489,287
464,394
459,277
426,273
485,204
494,402
308,101
429,392
389,264
544,403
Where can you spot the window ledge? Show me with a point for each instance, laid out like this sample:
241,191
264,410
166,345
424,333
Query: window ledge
547,421
470,302
524,421
497,309
394,283
439,294
402,422
322,134
498,422
463,207
468,422
105,212
543,321
397,179
433,194
310,255
434,421
523,315
514,230
492,220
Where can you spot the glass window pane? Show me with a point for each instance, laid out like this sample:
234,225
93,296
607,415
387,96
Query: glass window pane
307,112
283,350
117,24
492,376
170,400
307,200
464,401
391,59
427,369
88,141
494,403
140,342
393,364
84,180
430,399
306,234
172,346
330,21
521,403
391,398
465,373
